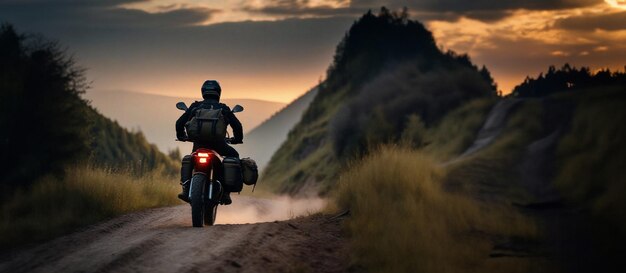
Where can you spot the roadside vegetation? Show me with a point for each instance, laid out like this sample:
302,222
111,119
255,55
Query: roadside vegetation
46,123
416,206
592,161
591,170
85,195
50,134
402,219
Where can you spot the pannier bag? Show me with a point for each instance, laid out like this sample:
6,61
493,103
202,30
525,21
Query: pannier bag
250,171
207,125
232,174
186,168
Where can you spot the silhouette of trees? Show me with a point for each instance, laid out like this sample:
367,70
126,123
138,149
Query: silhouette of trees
567,78
42,115
45,124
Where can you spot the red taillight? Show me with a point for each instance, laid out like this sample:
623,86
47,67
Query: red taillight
203,158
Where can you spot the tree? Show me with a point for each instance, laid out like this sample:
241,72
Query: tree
42,116
567,79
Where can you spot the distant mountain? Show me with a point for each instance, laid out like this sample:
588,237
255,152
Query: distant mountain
155,115
261,143
116,147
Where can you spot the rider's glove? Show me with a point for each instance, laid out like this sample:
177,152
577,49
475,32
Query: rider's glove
236,141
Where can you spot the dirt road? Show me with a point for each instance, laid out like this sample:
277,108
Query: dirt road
162,240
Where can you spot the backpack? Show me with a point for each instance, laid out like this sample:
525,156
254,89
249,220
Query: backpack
250,171
207,125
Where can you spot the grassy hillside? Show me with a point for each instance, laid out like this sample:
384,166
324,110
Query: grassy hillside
591,170
113,146
261,143
63,164
544,196
403,220
49,125
386,68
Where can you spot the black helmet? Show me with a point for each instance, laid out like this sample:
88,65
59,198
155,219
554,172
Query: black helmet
211,90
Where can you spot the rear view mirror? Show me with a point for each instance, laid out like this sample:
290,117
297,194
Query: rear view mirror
181,106
238,108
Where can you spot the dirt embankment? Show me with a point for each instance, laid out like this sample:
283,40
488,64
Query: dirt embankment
162,240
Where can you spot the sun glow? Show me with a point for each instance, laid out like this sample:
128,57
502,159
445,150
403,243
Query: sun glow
620,4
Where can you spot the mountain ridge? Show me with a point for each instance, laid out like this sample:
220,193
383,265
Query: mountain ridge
155,115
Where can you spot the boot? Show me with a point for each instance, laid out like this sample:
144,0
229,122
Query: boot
185,194
226,198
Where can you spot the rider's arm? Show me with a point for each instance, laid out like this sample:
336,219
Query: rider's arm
180,123
234,123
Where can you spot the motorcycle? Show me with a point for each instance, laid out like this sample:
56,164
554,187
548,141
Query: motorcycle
205,190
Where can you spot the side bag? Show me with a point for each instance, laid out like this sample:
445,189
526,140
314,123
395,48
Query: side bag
232,174
250,171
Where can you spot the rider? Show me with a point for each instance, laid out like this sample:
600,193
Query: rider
211,92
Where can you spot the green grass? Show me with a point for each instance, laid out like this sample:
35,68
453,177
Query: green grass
404,221
457,130
591,170
491,172
592,154
86,195
307,153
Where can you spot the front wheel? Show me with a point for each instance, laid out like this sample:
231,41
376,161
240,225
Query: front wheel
210,213
198,182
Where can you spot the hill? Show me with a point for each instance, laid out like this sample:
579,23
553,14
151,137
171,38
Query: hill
263,141
48,124
155,115
386,69
63,164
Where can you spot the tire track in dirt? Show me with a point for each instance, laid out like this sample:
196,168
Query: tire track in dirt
162,240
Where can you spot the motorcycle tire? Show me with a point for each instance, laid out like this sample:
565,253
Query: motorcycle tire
198,182
210,206
210,213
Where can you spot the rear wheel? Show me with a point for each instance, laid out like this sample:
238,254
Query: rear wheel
198,182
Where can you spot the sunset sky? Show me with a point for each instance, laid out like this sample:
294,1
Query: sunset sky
277,49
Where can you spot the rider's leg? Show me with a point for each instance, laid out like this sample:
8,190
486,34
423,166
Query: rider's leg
185,177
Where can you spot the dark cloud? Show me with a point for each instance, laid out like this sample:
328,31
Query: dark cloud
55,15
300,7
488,15
611,22
476,5
450,10
130,49
69,3
138,18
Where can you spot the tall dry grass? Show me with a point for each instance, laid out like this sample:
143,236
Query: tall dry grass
85,195
404,221
592,167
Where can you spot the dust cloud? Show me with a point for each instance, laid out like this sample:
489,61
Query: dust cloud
245,209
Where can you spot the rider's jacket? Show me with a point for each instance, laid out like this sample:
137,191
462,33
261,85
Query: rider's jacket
231,119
